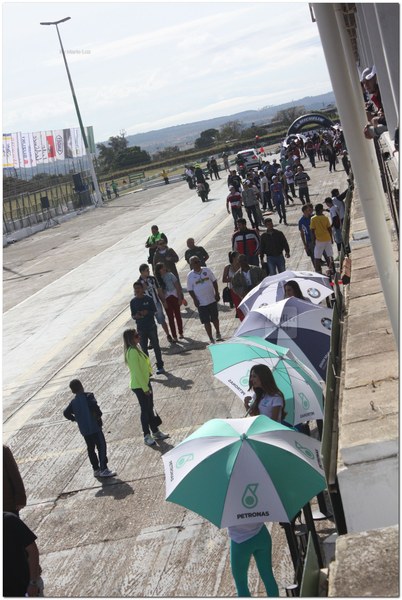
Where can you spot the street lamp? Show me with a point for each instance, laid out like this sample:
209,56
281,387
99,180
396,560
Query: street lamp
98,195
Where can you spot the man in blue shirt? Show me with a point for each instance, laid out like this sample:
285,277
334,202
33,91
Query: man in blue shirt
84,409
143,311
278,198
305,231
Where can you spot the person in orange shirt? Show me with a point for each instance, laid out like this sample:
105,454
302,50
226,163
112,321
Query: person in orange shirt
321,232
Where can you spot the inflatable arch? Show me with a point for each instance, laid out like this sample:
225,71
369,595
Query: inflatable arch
310,119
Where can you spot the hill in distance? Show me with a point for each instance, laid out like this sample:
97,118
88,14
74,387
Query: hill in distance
185,135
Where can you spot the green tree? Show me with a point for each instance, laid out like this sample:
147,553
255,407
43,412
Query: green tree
230,131
207,138
116,154
286,116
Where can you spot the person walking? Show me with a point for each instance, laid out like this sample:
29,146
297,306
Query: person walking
250,202
165,176
321,232
235,180
278,198
227,277
335,222
140,372
246,278
290,180
305,231
143,310
152,242
14,495
265,192
193,250
154,291
173,297
273,244
168,257
215,168
233,204
246,241
84,410
203,288
115,188
108,191
301,180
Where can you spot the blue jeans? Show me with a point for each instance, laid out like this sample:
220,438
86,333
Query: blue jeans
280,208
96,440
259,546
275,264
151,335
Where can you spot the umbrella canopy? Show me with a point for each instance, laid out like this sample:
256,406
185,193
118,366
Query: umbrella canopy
314,291
301,326
232,361
238,471
314,278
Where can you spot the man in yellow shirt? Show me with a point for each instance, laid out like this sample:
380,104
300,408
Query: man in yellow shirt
321,232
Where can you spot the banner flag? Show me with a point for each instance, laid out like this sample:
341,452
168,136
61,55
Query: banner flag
43,143
68,143
26,150
76,142
59,143
51,150
26,158
36,146
31,150
14,146
7,151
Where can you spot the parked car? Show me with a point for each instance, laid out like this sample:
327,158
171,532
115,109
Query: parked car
249,157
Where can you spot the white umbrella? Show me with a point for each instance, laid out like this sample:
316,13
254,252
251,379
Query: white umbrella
313,291
303,327
314,278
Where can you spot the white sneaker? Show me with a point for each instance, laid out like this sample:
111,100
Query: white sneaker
107,473
148,440
159,435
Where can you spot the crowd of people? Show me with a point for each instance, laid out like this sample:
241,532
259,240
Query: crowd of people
255,251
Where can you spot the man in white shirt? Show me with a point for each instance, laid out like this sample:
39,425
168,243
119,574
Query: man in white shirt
336,222
265,192
203,288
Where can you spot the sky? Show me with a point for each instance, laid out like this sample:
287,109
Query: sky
138,67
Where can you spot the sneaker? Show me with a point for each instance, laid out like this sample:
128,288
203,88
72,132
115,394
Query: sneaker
160,371
96,472
175,340
159,435
169,339
219,338
107,473
211,341
148,440
181,337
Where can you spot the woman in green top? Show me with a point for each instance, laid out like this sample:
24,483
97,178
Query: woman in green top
140,370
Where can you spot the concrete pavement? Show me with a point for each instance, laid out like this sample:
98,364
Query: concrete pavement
119,537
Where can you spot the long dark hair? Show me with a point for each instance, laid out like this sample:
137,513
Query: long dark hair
296,288
268,386
158,275
129,342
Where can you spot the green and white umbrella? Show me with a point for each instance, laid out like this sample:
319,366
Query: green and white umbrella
232,361
242,471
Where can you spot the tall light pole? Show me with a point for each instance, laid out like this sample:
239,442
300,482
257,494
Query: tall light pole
98,195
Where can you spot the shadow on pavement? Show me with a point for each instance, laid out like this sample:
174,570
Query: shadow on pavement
172,381
115,487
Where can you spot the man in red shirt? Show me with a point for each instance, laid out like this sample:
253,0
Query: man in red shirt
233,203
246,241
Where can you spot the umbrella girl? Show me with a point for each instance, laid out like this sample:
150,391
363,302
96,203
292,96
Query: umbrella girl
267,398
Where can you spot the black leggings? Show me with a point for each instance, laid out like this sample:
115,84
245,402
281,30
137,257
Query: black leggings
147,410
